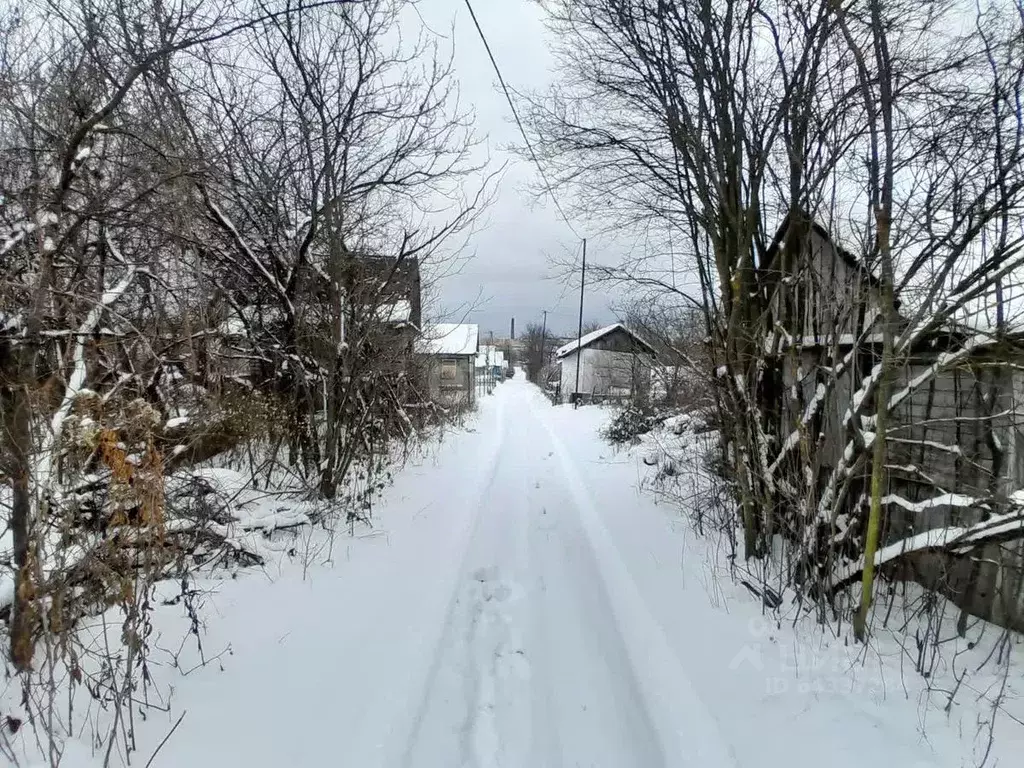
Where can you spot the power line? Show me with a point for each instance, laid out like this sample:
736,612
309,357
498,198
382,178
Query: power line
519,123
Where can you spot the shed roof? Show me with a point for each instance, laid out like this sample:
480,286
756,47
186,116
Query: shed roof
398,311
856,264
449,339
600,333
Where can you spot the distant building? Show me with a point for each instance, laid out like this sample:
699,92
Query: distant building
490,367
449,352
614,364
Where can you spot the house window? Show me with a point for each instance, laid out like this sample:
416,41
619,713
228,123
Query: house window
448,369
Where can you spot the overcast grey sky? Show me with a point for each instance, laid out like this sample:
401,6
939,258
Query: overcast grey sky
510,273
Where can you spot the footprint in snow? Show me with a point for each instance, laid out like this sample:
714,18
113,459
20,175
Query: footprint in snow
492,588
499,593
484,575
512,664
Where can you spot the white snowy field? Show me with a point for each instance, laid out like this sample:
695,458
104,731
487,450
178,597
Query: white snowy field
522,603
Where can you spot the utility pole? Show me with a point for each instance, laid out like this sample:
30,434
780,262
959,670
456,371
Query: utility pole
543,335
543,344
579,332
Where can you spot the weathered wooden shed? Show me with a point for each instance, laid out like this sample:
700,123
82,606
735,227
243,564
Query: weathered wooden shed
955,444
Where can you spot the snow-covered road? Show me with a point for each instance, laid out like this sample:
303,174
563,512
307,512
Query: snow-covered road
523,606
532,669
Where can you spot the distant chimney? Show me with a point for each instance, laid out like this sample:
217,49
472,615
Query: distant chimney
512,332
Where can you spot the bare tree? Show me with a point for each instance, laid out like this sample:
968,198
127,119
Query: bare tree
370,148
539,347
677,335
688,137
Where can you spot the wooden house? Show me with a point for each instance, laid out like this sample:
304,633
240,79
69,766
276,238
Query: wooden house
613,363
448,352
381,308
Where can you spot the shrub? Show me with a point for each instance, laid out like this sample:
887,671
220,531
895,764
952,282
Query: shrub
629,424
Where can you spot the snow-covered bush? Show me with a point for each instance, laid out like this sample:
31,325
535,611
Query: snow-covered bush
629,424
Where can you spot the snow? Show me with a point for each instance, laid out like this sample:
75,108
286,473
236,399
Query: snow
224,481
232,327
238,322
76,378
521,602
449,339
45,218
395,312
955,537
943,361
19,232
826,340
10,324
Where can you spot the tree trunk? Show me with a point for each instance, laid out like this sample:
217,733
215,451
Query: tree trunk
878,474
17,425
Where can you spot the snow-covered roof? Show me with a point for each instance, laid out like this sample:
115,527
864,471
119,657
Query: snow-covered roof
449,339
600,333
395,312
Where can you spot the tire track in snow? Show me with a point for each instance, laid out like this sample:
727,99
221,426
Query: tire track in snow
689,733
446,626
597,682
474,710
589,704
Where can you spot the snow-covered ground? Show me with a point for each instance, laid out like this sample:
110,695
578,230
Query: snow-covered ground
522,603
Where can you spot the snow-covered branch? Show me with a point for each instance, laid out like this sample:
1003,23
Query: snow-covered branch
243,246
943,500
953,539
76,380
